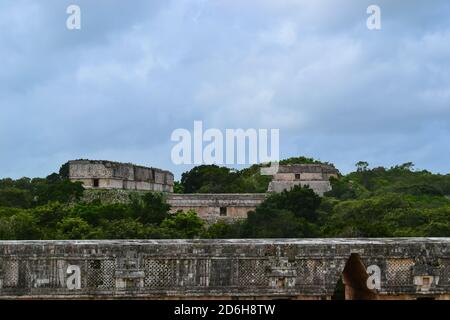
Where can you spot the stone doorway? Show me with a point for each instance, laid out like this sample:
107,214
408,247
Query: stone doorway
353,283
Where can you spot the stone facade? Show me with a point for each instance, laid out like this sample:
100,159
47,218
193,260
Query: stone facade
114,175
316,176
393,268
212,207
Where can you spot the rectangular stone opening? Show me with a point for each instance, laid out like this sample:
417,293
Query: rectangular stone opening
297,176
96,183
223,211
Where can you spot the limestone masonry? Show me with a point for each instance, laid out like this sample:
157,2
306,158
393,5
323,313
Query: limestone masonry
316,176
115,175
213,207
392,268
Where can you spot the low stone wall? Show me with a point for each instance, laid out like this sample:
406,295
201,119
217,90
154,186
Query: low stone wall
245,269
220,206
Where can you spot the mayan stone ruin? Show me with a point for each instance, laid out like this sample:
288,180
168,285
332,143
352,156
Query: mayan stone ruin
316,176
114,175
297,269
390,268
212,207
109,175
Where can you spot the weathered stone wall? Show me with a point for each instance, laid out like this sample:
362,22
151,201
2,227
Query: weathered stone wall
319,187
166,269
114,175
316,176
208,206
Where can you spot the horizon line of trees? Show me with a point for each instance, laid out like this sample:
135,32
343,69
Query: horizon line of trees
378,202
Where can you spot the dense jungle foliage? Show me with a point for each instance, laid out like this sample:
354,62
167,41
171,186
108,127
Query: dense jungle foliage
378,202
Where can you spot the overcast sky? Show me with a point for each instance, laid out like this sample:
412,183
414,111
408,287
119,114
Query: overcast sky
137,70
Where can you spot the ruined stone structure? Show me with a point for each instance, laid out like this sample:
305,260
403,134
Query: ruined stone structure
229,207
212,207
115,175
316,176
395,268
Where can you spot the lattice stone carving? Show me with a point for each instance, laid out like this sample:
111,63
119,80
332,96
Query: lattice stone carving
444,275
310,271
160,273
399,272
252,272
100,274
11,273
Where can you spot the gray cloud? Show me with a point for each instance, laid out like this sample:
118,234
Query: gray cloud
136,71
